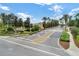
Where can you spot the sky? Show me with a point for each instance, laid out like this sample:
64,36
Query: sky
38,10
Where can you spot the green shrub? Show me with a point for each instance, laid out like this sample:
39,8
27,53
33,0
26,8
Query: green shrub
77,37
3,31
35,28
75,31
10,30
21,32
71,23
28,29
64,37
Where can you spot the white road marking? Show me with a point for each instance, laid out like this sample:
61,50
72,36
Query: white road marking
30,47
28,40
40,44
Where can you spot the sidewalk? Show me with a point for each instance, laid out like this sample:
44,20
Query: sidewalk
73,50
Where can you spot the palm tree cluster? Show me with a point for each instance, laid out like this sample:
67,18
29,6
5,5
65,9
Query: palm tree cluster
75,21
13,20
10,23
74,27
47,22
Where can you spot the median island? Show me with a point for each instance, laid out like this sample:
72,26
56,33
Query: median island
64,40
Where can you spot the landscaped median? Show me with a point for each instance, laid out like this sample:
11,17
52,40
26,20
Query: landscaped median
64,40
75,33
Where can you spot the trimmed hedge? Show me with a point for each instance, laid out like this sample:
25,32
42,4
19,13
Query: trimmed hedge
77,37
35,28
75,31
64,37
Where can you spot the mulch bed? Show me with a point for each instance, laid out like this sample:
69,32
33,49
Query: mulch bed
65,45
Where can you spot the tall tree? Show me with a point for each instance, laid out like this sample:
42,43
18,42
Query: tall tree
20,22
77,19
44,21
66,18
10,18
27,23
3,17
15,21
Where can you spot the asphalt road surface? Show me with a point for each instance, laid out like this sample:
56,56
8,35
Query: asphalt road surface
10,49
23,46
53,40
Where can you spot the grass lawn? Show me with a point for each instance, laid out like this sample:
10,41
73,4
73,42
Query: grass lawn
24,33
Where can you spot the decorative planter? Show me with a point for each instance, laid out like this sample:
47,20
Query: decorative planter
64,44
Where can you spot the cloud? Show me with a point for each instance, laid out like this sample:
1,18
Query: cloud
71,13
34,20
74,11
56,8
43,4
4,8
40,1
60,16
57,16
24,16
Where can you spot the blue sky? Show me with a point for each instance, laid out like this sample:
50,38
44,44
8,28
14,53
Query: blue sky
38,10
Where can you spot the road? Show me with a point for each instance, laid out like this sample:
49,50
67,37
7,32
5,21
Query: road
10,49
24,46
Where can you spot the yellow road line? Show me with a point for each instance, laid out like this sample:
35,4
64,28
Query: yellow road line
41,39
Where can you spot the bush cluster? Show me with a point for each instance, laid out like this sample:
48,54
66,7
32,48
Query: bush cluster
75,32
64,37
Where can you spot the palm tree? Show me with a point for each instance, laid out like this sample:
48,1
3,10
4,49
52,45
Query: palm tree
77,19
44,21
20,22
27,24
9,19
70,17
3,17
66,18
77,16
49,22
